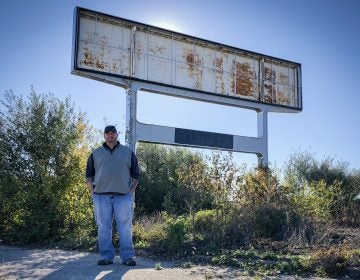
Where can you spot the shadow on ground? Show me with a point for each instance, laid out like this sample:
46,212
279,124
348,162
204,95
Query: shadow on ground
20,263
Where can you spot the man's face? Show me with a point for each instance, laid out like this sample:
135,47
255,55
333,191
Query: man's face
110,137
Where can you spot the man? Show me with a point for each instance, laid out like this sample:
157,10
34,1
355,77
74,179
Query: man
112,174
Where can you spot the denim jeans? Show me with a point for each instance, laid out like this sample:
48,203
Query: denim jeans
118,207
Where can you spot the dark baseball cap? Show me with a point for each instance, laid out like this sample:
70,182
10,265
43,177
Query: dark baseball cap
109,128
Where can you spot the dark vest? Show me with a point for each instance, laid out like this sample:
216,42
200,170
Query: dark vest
112,170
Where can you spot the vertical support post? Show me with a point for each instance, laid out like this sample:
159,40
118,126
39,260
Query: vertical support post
262,133
130,137
132,51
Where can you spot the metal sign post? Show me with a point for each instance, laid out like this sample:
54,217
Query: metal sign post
262,133
131,106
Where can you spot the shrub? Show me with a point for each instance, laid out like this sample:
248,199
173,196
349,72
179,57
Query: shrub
303,234
247,223
149,229
317,200
324,189
333,260
270,222
205,225
176,232
240,226
43,150
259,186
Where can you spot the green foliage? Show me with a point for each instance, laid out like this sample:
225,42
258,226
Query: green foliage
259,186
176,230
209,227
323,189
267,263
42,156
304,167
158,266
206,225
161,234
194,177
187,265
317,200
333,261
270,222
225,176
149,229
248,224
154,178
160,187
240,227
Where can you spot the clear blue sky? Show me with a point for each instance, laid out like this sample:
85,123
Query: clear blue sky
322,35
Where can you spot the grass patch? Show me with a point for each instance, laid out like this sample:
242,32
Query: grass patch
268,263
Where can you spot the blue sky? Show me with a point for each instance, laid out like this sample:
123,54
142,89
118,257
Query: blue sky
322,35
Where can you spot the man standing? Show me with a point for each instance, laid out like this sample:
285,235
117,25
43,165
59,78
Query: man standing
112,174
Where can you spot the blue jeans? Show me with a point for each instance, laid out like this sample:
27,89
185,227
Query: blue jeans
119,207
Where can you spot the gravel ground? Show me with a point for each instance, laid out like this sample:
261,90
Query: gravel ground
22,263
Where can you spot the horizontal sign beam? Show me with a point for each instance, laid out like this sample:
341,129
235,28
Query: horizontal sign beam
199,139
135,51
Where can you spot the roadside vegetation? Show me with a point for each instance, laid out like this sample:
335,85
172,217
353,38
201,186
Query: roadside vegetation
303,220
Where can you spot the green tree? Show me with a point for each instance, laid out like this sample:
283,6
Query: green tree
331,182
302,167
181,198
259,186
159,187
196,186
43,149
225,176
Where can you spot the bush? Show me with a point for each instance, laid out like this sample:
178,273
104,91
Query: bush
239,230
206,225
332,261
317,200
160,188
259,186
176,230
149,229
248,223
270,222
324,189
43,150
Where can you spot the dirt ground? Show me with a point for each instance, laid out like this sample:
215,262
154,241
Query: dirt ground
23,263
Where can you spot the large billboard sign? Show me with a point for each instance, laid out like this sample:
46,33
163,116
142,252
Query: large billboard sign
119,47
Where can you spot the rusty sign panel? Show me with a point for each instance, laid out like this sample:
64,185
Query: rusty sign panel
115,46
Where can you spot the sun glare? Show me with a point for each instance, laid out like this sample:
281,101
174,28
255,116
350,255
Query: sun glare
167,25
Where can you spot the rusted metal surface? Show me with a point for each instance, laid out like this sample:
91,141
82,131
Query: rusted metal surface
110,45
